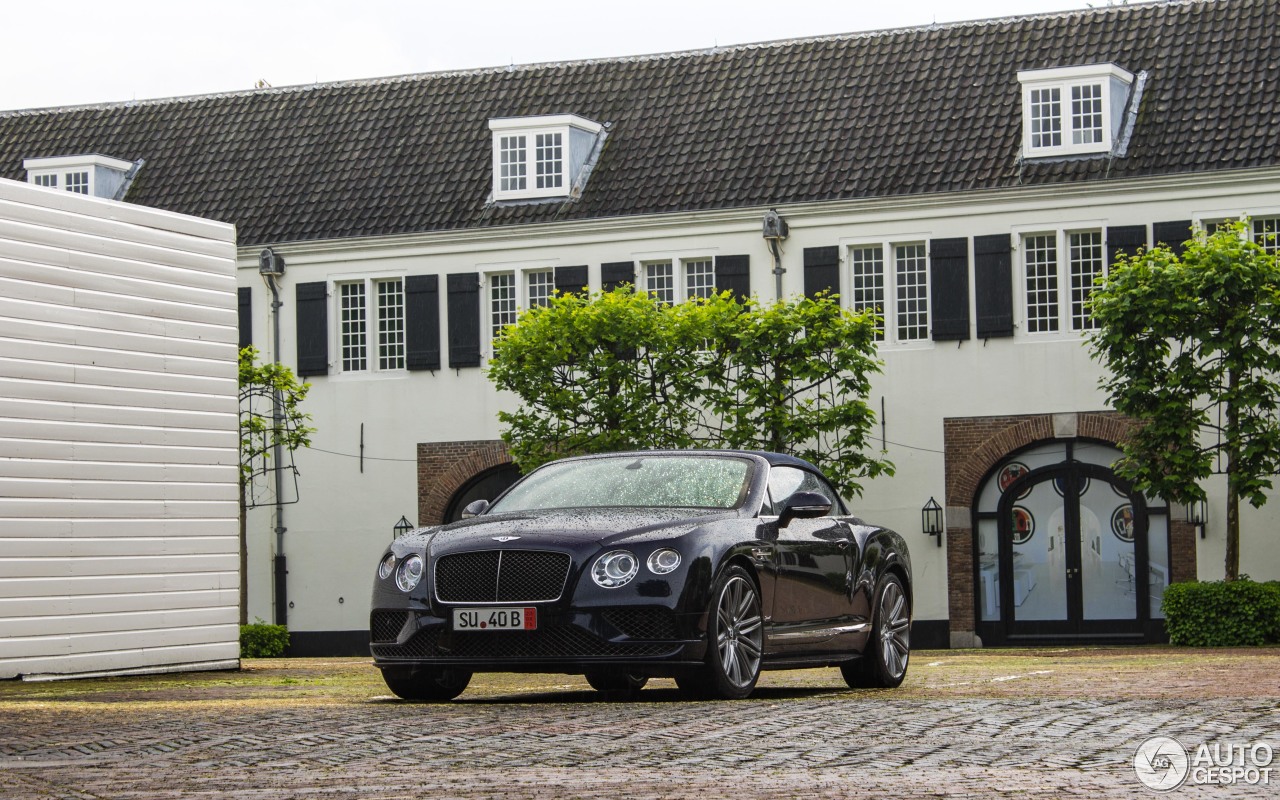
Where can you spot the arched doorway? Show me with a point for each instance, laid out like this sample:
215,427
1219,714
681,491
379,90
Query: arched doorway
486,485
1066,551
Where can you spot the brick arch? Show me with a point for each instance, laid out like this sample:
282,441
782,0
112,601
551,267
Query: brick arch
444,467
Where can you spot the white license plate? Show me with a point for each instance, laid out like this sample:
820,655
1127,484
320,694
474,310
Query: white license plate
495,619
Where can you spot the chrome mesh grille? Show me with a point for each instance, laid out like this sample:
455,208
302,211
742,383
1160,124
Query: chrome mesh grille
501,576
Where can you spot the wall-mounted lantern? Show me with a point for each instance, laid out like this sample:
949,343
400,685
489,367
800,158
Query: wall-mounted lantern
1198,514
401,528
931,520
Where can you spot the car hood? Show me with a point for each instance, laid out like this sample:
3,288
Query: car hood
570,526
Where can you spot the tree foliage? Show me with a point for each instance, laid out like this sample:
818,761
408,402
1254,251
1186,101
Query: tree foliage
1192,346
620,371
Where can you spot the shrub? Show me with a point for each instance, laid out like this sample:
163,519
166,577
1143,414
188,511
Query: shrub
1223,613
261,640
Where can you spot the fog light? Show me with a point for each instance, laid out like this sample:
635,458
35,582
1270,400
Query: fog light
410,573
663,561
615,569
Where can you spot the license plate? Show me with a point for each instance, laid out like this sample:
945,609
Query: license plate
495,619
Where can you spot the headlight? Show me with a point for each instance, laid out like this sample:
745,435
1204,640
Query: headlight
410,573
663,561
387,564
615,569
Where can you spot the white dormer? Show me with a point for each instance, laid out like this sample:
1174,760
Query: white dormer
1073,110
538,157
92,174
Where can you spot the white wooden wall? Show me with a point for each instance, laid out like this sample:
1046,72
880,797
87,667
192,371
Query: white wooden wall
118,446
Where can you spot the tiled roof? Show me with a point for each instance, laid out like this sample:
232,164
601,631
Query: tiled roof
903,112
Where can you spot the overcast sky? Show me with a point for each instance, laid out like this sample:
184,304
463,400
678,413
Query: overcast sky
69,52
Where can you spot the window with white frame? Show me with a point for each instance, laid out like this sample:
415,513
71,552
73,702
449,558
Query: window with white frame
78,182
542,156
379,347
896,288
1073,110
673,281
49,180
1266,232
511,292
1059,269
699,277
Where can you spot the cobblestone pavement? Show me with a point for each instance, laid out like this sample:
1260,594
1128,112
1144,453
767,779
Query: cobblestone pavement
787,741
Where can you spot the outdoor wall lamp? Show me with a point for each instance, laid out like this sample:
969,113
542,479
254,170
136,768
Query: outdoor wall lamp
1198,514
401,528
931,519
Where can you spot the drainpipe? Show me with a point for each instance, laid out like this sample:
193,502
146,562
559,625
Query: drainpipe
271,267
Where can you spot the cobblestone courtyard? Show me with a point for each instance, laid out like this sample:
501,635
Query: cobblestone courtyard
1048,723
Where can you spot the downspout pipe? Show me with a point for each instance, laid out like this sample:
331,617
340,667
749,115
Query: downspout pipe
271,267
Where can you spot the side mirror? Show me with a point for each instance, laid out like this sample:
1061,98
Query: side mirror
803,505
475,508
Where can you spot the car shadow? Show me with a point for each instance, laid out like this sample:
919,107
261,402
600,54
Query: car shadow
647,696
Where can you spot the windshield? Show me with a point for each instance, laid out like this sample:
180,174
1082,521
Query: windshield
649,481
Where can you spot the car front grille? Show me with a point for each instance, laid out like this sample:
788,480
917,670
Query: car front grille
385,626
642,623
561,642
501,576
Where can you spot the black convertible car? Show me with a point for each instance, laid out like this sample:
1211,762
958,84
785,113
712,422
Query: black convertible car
705,566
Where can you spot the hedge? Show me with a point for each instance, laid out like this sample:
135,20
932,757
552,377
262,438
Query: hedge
261,640
1223,613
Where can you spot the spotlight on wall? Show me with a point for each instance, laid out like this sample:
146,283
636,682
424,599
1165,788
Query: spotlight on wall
931,519
401,528
1198,514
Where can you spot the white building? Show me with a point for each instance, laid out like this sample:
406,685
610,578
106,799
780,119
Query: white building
968,179
118,477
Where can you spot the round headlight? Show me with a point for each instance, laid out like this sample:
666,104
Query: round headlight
663,561
410,573
387,564
615,569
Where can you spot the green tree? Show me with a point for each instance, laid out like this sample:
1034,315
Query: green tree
1192,345
263,389
620,371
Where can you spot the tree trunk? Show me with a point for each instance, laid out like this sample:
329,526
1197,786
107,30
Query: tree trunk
1232,560
244,558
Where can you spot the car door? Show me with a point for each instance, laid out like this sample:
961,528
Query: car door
813,566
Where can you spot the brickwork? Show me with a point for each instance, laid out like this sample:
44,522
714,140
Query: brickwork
443,467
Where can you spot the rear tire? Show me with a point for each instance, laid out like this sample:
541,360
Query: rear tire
735,641
617,685
883,664
425,683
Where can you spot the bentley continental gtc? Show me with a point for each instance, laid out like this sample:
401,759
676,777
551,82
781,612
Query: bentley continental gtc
702,566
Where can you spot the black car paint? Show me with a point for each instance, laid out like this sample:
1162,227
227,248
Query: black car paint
829,625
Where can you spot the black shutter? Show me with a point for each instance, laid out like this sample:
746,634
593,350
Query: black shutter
422,321
949,290
464,320
821,270
993,285
617,274
733,274
313,328
571,280
1172,234
244,296
1126,239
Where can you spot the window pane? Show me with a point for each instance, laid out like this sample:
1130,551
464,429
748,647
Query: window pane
867,281
351,298
1266,232
1046,117
391,324
78,182
699,278
1086,114
660,281
911,269
1086,265
1042,283
512,163
550,160
47,180
541,284
502,301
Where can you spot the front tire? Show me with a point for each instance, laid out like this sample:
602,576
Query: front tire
617,685
884,661
735,641
426,684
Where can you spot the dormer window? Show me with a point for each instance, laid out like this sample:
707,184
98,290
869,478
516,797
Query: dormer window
542,157
95,175
1073,110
